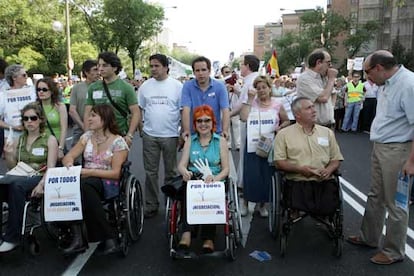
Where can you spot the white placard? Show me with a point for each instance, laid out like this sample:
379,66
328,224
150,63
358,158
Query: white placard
16,99
62,194
350,64
358,63
206,202
257,124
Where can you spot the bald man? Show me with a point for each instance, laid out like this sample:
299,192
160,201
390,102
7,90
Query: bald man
392,132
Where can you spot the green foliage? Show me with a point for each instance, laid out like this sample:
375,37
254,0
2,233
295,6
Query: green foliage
402,55
82,51
360,38
183,56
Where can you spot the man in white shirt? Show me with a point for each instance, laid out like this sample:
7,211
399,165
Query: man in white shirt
317,83
159,101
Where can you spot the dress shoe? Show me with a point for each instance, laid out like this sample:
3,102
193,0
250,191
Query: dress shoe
356,240
382,259
7,246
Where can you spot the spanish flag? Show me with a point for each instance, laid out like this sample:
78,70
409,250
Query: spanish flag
272,66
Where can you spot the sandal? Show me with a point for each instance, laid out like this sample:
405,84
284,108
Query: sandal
208,247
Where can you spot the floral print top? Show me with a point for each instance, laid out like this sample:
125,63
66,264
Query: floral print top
101,160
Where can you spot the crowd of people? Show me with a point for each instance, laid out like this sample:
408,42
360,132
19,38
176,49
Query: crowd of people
274,122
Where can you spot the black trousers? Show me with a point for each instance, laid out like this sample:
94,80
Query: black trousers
367,114
316,198
97,225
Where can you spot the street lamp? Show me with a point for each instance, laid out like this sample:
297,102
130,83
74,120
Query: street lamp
70,63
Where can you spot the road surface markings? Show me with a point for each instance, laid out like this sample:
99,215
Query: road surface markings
409,251
80,261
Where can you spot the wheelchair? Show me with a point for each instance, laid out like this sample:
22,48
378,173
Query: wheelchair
282,216
125,213
173,217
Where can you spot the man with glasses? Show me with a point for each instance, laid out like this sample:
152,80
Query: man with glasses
392,132
116,92
317,83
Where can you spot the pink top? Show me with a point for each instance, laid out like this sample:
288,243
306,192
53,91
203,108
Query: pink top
101,160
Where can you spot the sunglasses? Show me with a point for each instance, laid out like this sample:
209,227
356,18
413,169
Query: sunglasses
32,118
43,89
208,120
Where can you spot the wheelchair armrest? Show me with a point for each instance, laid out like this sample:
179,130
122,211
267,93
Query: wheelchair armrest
126,165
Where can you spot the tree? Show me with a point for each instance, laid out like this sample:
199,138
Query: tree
402,55
183,55
360,38
320,29
132,23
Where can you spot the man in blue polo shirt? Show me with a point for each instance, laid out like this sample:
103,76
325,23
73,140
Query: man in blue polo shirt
204,90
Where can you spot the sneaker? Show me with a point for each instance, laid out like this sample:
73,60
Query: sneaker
243,208
263,212
7,246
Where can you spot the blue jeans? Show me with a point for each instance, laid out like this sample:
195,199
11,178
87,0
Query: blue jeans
351,116
16,189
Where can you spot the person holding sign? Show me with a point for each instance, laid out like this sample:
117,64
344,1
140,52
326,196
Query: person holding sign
55,111
264,115
104,151
39,151
12,100
204,145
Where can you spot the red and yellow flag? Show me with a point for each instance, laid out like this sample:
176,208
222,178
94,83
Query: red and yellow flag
272,66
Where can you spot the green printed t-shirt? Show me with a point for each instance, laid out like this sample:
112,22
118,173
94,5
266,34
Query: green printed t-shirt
122,94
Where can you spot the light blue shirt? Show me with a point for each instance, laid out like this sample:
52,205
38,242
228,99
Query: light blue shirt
394,120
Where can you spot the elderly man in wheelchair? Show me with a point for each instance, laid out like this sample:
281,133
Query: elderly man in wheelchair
309,156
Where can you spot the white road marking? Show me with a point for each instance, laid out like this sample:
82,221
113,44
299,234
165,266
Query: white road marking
409,251
80,261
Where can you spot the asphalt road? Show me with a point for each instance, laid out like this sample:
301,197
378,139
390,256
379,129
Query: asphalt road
308,253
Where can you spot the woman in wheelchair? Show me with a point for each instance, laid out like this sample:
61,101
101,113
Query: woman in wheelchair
37,150
104,151
204,145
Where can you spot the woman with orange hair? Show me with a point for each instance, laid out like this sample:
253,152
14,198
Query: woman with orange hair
204,144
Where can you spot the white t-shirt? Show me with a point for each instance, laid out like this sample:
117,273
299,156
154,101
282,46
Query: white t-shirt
161,101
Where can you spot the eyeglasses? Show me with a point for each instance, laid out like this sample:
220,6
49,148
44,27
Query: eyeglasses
207,120
370,69
43,89
32,118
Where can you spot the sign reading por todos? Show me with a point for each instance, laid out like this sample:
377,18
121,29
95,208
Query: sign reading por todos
62,194
206,202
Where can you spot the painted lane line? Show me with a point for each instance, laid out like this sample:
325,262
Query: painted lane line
80,261
362,196
409,251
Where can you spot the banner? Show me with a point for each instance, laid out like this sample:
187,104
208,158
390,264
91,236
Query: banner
62,199
206,202
273,66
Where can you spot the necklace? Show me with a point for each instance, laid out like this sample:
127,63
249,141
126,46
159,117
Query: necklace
100,140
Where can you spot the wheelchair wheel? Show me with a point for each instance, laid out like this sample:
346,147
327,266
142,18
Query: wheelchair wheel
231,250
168,206
338,226
275,208
235,216
283,245
135,207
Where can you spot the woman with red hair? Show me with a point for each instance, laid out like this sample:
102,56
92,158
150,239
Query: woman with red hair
204,144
